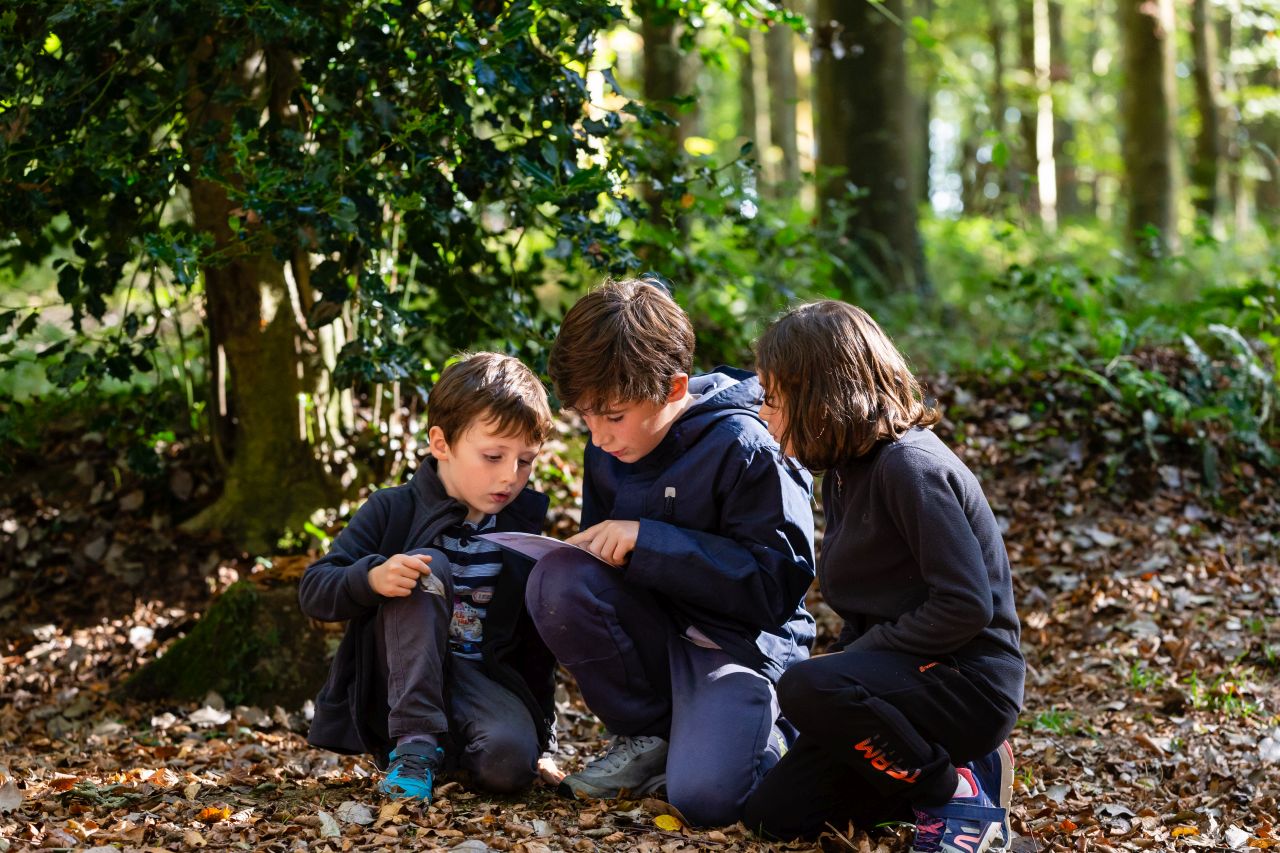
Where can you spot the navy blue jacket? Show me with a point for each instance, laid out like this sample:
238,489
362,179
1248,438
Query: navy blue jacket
350,714
732,552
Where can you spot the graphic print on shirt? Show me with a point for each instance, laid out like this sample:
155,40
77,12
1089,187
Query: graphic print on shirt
476,564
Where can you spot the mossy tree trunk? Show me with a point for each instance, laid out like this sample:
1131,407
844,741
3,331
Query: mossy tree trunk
273,479
253,646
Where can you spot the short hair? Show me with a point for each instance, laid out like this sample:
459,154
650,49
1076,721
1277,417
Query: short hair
621,343
489,386
842,384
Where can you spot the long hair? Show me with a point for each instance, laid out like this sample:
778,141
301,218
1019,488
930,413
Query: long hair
840,383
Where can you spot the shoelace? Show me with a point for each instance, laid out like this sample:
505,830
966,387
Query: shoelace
410,763
929,832
621,750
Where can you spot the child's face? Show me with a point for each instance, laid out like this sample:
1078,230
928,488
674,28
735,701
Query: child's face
772,412
630,431
482,469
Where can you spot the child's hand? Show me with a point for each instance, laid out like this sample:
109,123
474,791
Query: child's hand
397,577
611,541
549,772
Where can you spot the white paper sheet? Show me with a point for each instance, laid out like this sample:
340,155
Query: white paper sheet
532,545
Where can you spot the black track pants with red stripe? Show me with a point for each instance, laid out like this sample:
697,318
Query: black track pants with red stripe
879,732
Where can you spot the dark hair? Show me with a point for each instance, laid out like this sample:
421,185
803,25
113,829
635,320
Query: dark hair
488,386
842,384
623,342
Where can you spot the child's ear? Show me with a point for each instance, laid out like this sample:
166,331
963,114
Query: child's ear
435,441
679,387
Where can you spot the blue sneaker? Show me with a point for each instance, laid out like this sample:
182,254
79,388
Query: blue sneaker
412,771
963,825
995,774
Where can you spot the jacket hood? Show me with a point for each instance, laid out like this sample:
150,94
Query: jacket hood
721,393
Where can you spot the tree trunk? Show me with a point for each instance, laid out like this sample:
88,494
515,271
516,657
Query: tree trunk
1000,105
926,74
748,92
1236,199
1064,157
780,61
1206,170
662,64
1149,154
1028,108
864,116
273,480
1266,146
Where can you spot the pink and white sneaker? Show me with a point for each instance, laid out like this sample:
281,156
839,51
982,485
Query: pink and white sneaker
962,825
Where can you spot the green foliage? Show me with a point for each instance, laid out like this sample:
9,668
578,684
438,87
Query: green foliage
735,260
1174,356
431,158
1054,720
1142,678
1223,695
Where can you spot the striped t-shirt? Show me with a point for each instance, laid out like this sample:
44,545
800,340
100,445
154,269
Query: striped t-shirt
476,564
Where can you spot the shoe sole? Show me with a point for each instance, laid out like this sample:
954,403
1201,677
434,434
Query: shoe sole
1006,774
1005,834
588,792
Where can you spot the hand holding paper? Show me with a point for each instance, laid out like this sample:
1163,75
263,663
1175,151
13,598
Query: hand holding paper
611,541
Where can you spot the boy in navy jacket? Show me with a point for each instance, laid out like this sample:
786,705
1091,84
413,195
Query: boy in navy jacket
439,649
705,531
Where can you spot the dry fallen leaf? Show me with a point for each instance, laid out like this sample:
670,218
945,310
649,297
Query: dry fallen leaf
328,826
667,823
10,797
353,812
213,814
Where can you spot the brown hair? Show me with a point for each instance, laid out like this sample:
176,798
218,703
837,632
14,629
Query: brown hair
623,342
842,383
488,386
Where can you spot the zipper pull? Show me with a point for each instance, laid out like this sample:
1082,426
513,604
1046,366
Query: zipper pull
669,501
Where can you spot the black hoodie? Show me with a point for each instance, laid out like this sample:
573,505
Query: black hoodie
349,716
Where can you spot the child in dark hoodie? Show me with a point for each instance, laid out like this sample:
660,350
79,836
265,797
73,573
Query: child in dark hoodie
908,718
439,651
706,533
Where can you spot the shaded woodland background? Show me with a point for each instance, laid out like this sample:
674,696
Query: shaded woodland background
239,240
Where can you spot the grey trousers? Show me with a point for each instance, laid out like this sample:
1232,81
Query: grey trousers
641,676
431,691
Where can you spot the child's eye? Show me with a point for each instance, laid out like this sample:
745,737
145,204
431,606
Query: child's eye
525,463
614,419
493,458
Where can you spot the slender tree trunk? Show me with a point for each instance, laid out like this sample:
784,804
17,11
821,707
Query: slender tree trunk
1028,108
783,94
863,116
1266,136
1000,103
1232,131
924,112
1206,170
748,90
663,80
1064,158
273,479
1150,156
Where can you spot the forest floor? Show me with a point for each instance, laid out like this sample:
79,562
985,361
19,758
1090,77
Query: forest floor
1150,623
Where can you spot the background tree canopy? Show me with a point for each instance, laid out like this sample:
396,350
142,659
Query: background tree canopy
404,168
